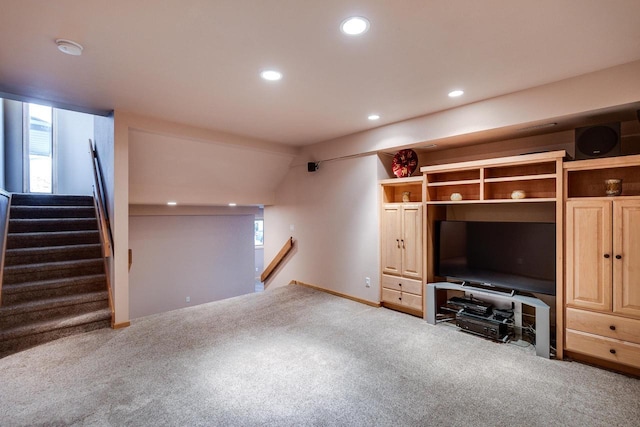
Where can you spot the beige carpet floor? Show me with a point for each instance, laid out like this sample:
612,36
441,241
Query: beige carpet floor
298,357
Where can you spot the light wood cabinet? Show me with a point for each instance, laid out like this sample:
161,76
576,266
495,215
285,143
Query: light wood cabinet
401,244
402,240
515,188
603,261
588,246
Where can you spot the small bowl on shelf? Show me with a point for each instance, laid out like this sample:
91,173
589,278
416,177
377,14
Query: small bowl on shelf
456,197
518,194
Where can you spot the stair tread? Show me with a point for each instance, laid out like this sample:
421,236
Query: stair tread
52,233
60,248
54,302
53,324
53,283
51,265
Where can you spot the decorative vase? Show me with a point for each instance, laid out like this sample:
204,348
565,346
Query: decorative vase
613,187
518,194
406,196
456,197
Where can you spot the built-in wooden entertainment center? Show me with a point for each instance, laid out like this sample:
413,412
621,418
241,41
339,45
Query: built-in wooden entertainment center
596,309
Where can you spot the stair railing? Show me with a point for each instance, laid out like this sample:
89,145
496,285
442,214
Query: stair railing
5,202
99,196
277,260
106,236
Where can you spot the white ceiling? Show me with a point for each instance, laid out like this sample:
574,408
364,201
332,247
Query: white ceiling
198,61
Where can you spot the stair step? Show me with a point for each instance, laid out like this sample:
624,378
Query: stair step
31,291
26,336
30,225
52,270
52,308
22,199
52,238
40,255
24,212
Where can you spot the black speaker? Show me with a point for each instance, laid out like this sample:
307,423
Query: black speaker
593,142
312,167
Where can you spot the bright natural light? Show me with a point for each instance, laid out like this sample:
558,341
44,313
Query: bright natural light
40,147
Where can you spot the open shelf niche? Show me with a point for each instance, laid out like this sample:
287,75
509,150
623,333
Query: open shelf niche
486,193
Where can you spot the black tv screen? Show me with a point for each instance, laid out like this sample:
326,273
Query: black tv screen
519,256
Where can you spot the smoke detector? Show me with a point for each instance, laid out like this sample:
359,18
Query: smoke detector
69,47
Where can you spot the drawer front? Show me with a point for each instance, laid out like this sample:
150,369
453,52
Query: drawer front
402,284
412,301
389,295
607,325
622,352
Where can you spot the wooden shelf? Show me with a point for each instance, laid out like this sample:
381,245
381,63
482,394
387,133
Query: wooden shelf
586,178
393,189
494,181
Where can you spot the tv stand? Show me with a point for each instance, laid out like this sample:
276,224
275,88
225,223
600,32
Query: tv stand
542,310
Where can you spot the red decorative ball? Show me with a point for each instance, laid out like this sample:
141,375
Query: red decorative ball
405,163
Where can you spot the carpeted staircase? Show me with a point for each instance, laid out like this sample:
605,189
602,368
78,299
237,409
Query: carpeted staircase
54,283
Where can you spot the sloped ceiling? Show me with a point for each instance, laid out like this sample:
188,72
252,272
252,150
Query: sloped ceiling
197,61
190,172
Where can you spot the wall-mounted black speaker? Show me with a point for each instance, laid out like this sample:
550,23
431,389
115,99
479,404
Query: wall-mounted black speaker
592,142
312,167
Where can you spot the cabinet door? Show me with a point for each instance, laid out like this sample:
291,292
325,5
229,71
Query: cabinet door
589,255
626,257
390,235
412,241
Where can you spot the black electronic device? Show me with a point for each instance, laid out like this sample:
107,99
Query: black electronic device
519,256
593,142
312,167
486,327
474,306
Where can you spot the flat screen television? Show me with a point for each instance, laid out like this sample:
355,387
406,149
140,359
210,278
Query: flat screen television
518,256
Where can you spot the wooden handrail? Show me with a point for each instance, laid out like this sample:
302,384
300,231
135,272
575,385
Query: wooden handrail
277,260
98,195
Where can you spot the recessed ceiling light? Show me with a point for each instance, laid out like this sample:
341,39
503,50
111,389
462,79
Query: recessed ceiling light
271,75
373,117
355,25
233,204
172,203
456,93
69,47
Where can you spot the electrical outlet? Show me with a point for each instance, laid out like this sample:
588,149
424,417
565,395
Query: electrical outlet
188,299
367,282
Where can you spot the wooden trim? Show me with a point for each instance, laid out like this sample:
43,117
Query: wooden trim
401,181
512,160
336,293
277,260
560,251
603,163
121,325
600,363
402,308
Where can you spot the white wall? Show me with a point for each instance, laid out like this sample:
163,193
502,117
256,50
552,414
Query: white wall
74,163
204,257
334,212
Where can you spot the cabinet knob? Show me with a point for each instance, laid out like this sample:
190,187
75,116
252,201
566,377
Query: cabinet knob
400,284
402,243
398,242
612,351
607,255
618,256
612,327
